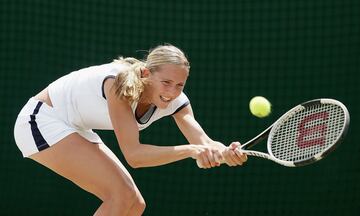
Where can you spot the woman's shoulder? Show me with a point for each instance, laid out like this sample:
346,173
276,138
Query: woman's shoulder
108,66
178,103
182,97
111,68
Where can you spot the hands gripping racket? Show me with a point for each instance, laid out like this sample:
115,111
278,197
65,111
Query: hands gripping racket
303,135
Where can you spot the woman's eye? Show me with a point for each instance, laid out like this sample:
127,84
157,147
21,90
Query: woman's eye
166,82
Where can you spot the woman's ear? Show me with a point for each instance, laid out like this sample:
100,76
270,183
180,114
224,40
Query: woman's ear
145,72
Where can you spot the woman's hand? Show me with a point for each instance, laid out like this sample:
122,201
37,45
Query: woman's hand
206,156
232,156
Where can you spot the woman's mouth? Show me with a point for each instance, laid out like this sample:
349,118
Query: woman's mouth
165,99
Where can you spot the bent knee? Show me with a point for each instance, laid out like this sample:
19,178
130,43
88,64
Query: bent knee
140,203
126,197
133,200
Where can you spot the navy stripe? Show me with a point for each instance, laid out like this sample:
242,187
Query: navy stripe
141,119
181,107
41,143
103,84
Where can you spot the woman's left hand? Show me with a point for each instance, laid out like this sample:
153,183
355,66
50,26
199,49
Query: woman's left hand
232,156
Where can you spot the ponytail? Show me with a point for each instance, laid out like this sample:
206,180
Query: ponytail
129,84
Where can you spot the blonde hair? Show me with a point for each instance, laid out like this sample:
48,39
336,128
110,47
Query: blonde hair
129,84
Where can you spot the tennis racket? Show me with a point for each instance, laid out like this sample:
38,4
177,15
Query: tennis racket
305,134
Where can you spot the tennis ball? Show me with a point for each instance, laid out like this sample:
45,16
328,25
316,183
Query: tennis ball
260,106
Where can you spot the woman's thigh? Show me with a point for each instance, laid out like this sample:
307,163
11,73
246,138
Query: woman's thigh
93,167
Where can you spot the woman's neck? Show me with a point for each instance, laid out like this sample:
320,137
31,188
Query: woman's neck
143,105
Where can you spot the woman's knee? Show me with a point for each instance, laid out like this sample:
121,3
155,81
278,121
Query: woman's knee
140,204
125,196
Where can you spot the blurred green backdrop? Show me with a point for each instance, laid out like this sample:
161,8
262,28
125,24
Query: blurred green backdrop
287,51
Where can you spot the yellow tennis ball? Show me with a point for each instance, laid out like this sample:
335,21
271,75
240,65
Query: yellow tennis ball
260,106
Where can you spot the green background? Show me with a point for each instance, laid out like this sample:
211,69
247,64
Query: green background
287,51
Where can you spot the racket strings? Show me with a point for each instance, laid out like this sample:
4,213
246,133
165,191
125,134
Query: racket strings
306,132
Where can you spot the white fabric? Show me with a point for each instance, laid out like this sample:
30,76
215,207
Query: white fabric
78,106
80,94
51,125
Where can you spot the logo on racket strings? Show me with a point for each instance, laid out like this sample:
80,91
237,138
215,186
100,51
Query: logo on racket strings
313,134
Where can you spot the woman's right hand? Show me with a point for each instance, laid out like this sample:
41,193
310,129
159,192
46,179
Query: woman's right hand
206,156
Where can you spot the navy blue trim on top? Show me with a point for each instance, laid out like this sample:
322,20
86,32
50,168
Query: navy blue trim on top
147,115
181,107
40,142
103,84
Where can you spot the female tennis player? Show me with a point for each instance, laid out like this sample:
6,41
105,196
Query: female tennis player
54,128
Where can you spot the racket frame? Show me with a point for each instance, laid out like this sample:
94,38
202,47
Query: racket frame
267,133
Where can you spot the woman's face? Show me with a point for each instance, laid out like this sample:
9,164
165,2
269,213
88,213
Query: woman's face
165,84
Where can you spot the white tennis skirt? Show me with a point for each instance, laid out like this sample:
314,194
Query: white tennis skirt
39,126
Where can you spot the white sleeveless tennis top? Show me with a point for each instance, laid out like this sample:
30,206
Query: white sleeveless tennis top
81,95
